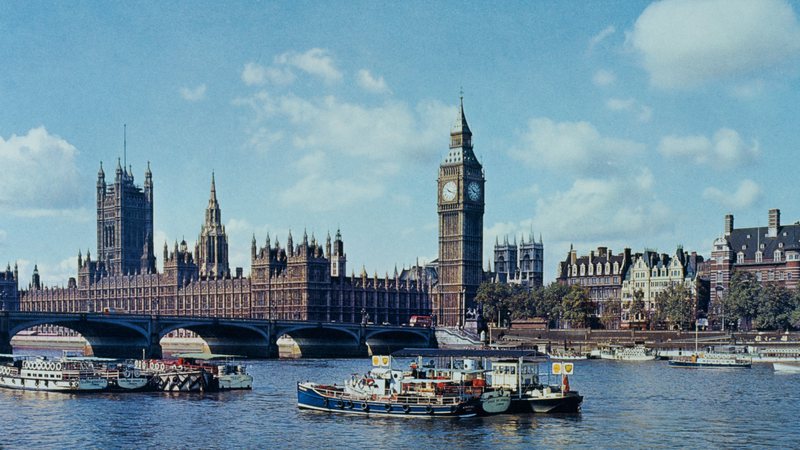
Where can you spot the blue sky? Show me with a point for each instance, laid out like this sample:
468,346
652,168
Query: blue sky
622,124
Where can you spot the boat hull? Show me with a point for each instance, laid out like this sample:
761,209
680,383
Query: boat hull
67,386
786,367
310,398
567,403
699,364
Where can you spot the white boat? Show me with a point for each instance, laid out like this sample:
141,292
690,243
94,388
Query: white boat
567,355
786,367
40,374
636,353
196,372
711,359
774,354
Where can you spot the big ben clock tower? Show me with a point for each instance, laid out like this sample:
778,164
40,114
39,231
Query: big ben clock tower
461,203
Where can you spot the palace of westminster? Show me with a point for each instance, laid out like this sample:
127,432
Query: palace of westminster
304,280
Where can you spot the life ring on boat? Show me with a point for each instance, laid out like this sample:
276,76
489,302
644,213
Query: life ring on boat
340,404
387,407
136,373
180,368
453,409
429,409
406,409
58,366
161,367
364,406
126,374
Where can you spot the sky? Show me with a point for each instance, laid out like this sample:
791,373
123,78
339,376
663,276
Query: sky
614,123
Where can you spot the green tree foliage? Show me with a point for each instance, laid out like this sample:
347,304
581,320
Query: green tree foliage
611,315
676,306
636,310
741,300
577,307
775,308
550,304
496,299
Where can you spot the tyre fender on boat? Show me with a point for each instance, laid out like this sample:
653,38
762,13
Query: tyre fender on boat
325,401
406,409
429,409
340,404
388,407
364,406
349,404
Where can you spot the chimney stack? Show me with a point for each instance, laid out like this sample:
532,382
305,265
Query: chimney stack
728,224
774,222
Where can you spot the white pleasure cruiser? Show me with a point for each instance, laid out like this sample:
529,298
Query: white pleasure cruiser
37,373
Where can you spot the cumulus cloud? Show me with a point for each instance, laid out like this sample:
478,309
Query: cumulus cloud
255,74
370,83
371,143
601,36
193,94
39,173
683,43
745,196
52,273
594,209
604,77
316,62
726,149
643,113
573,146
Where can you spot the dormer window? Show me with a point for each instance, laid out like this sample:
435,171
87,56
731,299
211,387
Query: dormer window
778,256
740,257
616,268
759,256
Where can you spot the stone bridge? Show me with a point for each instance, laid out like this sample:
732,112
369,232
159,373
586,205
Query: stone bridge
129,336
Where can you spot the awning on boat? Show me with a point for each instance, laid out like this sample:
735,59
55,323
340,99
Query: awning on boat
467,353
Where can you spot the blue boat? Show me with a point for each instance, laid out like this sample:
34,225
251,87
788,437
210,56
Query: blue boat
389,392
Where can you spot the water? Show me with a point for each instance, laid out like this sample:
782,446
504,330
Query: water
626,405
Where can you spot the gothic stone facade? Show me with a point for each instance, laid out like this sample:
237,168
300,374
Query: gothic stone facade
771,253
521,264
460,207
302,282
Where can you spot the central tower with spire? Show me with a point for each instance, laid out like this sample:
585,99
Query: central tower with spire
212,245
460,206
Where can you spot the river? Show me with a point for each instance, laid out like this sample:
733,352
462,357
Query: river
626,405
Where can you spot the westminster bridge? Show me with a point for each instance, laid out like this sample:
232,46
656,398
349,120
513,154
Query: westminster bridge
130,336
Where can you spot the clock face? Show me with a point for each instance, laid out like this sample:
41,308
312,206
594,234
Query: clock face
474,191
449,191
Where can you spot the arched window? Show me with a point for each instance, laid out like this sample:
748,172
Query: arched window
759,256
740,257
778,256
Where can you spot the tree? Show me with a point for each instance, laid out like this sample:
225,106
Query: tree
521,304
775,308
636,311
741,301
612,311
551,301
577,307
676,306
495,298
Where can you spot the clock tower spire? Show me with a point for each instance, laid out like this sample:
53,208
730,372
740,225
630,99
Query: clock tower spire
460,206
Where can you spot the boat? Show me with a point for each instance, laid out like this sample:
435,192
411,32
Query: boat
122,376
386,391
636,353
711,359
37,373
196,372
786,367
774,354
567,355
515,372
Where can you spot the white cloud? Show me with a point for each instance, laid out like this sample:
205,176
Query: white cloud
724,150
603,209
745,196
193,94
255,74
573,146
601,36
51,273
604,77
39,174
369,83
642,112
683,43
315,61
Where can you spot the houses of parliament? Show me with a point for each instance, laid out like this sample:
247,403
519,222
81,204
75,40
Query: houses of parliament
305,280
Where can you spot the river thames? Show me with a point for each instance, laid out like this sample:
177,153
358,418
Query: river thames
626,405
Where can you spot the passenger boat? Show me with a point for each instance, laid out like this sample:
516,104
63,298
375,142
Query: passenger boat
385,391
635,353
196,372
122,376
711,360
37,373
516,373
786,367
774,354
567,355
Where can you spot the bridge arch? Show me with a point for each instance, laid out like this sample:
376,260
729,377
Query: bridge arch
228,338
385,341
106,337
310,340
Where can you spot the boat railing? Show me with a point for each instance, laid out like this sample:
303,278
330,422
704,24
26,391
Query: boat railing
421,399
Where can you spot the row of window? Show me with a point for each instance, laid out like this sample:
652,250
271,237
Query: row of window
591,269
